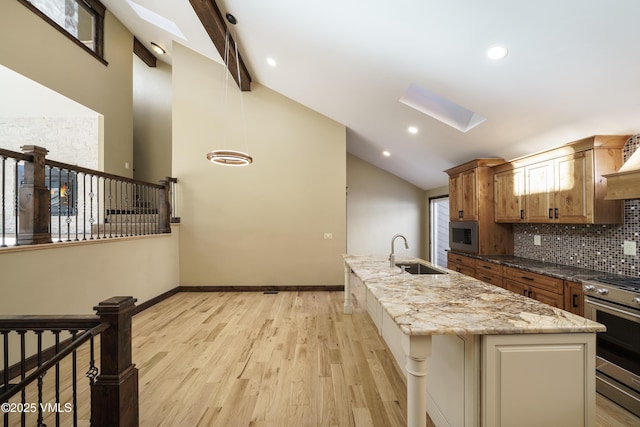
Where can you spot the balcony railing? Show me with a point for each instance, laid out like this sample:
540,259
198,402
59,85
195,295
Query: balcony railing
43,201
44,384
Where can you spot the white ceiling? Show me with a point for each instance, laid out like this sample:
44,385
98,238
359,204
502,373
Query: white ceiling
573,69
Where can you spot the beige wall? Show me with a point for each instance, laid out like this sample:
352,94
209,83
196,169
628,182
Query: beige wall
380,205
72,278
31,47
152,121
263,224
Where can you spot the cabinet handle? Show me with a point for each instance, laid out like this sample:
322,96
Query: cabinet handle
527,278
524,292
575,300
550,213
529,294
487,267
521,213
488,279
460,214
556,213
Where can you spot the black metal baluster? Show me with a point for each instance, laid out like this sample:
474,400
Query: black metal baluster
84,208
97,205
23,371
50,210
91,219
3,244
74,379
59,206
40,384
5,367
109,211
57,347
16,190
121,211
69,204
92,373
147,207
136,209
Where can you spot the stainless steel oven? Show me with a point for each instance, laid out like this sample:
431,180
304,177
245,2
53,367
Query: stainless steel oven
615,303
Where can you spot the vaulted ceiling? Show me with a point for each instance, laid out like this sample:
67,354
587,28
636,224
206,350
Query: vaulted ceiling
571,70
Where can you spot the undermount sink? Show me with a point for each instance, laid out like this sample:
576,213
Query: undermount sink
417,268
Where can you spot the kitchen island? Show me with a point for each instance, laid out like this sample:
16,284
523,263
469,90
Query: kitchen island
495,358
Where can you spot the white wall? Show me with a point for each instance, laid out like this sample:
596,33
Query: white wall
380,205
71,278
262,224
62,66
152,97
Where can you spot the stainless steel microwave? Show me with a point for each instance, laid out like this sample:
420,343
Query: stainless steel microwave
463,236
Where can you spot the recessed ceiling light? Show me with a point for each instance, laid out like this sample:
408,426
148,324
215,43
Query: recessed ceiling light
272,62
412,130
386,153
157,49
497,52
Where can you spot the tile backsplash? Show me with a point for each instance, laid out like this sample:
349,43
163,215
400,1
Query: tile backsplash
596,247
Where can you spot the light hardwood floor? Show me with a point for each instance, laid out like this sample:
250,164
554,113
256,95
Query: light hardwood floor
291,359
249,359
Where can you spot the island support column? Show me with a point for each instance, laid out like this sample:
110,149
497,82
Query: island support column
348,309
417,348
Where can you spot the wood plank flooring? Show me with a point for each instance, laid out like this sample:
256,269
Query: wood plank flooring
249,359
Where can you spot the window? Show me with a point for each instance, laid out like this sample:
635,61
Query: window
80,20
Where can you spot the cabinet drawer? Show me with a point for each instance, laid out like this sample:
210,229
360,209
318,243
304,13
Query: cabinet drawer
489,267
487,277
461,268
462,260
540,281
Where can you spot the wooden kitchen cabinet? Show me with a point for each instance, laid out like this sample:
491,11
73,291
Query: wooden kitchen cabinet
562,185
546,289
463,204
489,272
471,199
509,195
573,297
462,264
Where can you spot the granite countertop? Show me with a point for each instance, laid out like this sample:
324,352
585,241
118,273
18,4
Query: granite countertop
574,274
453,303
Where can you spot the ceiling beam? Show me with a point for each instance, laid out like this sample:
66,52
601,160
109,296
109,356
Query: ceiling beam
215,25
143,53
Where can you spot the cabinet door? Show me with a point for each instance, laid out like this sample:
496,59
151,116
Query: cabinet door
540,192
455,197
574,188
574,298
469,200
509,196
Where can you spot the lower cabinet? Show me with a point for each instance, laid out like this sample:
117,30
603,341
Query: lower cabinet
538,380
546,289
462,264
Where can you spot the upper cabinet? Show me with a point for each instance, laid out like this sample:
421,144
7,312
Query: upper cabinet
564,185
471,199
463,206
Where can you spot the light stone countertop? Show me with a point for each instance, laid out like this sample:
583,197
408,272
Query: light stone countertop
453,303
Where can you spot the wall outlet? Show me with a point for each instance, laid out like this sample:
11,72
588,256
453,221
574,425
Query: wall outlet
328,236
630,248
537,240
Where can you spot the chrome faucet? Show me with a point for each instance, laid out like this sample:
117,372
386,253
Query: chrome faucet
392,256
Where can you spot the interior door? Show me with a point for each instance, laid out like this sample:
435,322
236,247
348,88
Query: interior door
439,230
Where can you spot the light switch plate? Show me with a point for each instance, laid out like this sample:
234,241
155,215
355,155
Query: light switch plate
328,236
537,240
630,248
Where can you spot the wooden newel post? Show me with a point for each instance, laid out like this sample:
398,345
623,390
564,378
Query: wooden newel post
164,208
114,396
33,210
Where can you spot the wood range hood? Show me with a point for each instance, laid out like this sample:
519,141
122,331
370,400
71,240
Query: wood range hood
625,184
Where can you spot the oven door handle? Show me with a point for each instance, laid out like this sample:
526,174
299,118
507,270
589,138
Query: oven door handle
613,310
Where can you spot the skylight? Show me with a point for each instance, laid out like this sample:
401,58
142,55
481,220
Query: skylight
434,105
158,20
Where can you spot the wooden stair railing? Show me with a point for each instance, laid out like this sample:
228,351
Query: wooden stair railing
113,387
